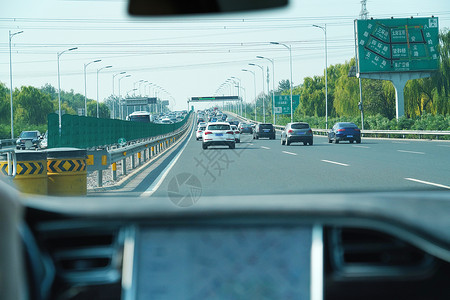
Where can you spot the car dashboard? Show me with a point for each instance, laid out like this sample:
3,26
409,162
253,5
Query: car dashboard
319,246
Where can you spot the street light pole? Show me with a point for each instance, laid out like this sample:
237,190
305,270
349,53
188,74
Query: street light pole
263,102
290,67
273,84
239,87
114,105
10,80
59,83
254,85
85,84
98,71
324,28
120,96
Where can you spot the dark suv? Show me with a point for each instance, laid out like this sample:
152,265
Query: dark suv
264,131
33,136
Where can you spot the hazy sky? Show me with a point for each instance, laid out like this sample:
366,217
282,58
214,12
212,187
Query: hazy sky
186,56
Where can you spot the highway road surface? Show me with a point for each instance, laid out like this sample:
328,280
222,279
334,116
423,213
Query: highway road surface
264,166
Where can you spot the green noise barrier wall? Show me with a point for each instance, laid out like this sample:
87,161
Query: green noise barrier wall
88,132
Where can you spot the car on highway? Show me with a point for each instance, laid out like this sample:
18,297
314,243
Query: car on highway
233,122
200,120
202,124
344,131
166,121
245,128
298,132
28,139
199,132
218,134
237,133
264,130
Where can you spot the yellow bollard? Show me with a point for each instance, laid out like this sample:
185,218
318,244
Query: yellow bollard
31,176
66,169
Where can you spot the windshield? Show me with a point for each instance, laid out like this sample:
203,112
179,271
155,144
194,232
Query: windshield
299,126
80,68
140,118
266,126
218,127
28,134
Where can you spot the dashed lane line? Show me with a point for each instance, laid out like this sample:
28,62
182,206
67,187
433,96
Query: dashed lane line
335,162
429,183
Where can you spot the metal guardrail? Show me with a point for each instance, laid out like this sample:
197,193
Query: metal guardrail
388,133
11,161
145,150
7,142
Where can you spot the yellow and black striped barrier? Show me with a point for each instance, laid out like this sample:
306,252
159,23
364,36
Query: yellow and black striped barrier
66,169
31,172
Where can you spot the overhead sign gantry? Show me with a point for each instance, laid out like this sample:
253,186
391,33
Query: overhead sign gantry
214,98
397,50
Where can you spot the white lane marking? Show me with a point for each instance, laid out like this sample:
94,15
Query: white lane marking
159,180
400,143
413,152
334,162
251,144
430,183
443,145
365,147
289,153
265,147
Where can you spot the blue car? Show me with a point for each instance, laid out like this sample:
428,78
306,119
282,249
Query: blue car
344,131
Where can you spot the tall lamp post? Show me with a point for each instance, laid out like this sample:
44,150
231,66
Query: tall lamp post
85,84
10,80
59,83
273,84
120,96
98,71
290,67
239,88
114,105
263,102
324,28
254,85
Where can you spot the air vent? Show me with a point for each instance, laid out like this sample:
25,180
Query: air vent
367,253
83,254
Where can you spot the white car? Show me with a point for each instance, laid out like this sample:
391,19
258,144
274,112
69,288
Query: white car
199,132
237,133
202,124
218,133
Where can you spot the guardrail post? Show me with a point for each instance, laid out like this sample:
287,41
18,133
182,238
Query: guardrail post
124,166
114,171
100,178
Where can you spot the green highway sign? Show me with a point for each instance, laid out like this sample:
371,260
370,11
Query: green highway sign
122,141
282,103
214,98
397,45
139,101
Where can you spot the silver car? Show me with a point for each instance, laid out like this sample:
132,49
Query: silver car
297,133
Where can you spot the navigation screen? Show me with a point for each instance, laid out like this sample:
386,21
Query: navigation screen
224,263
